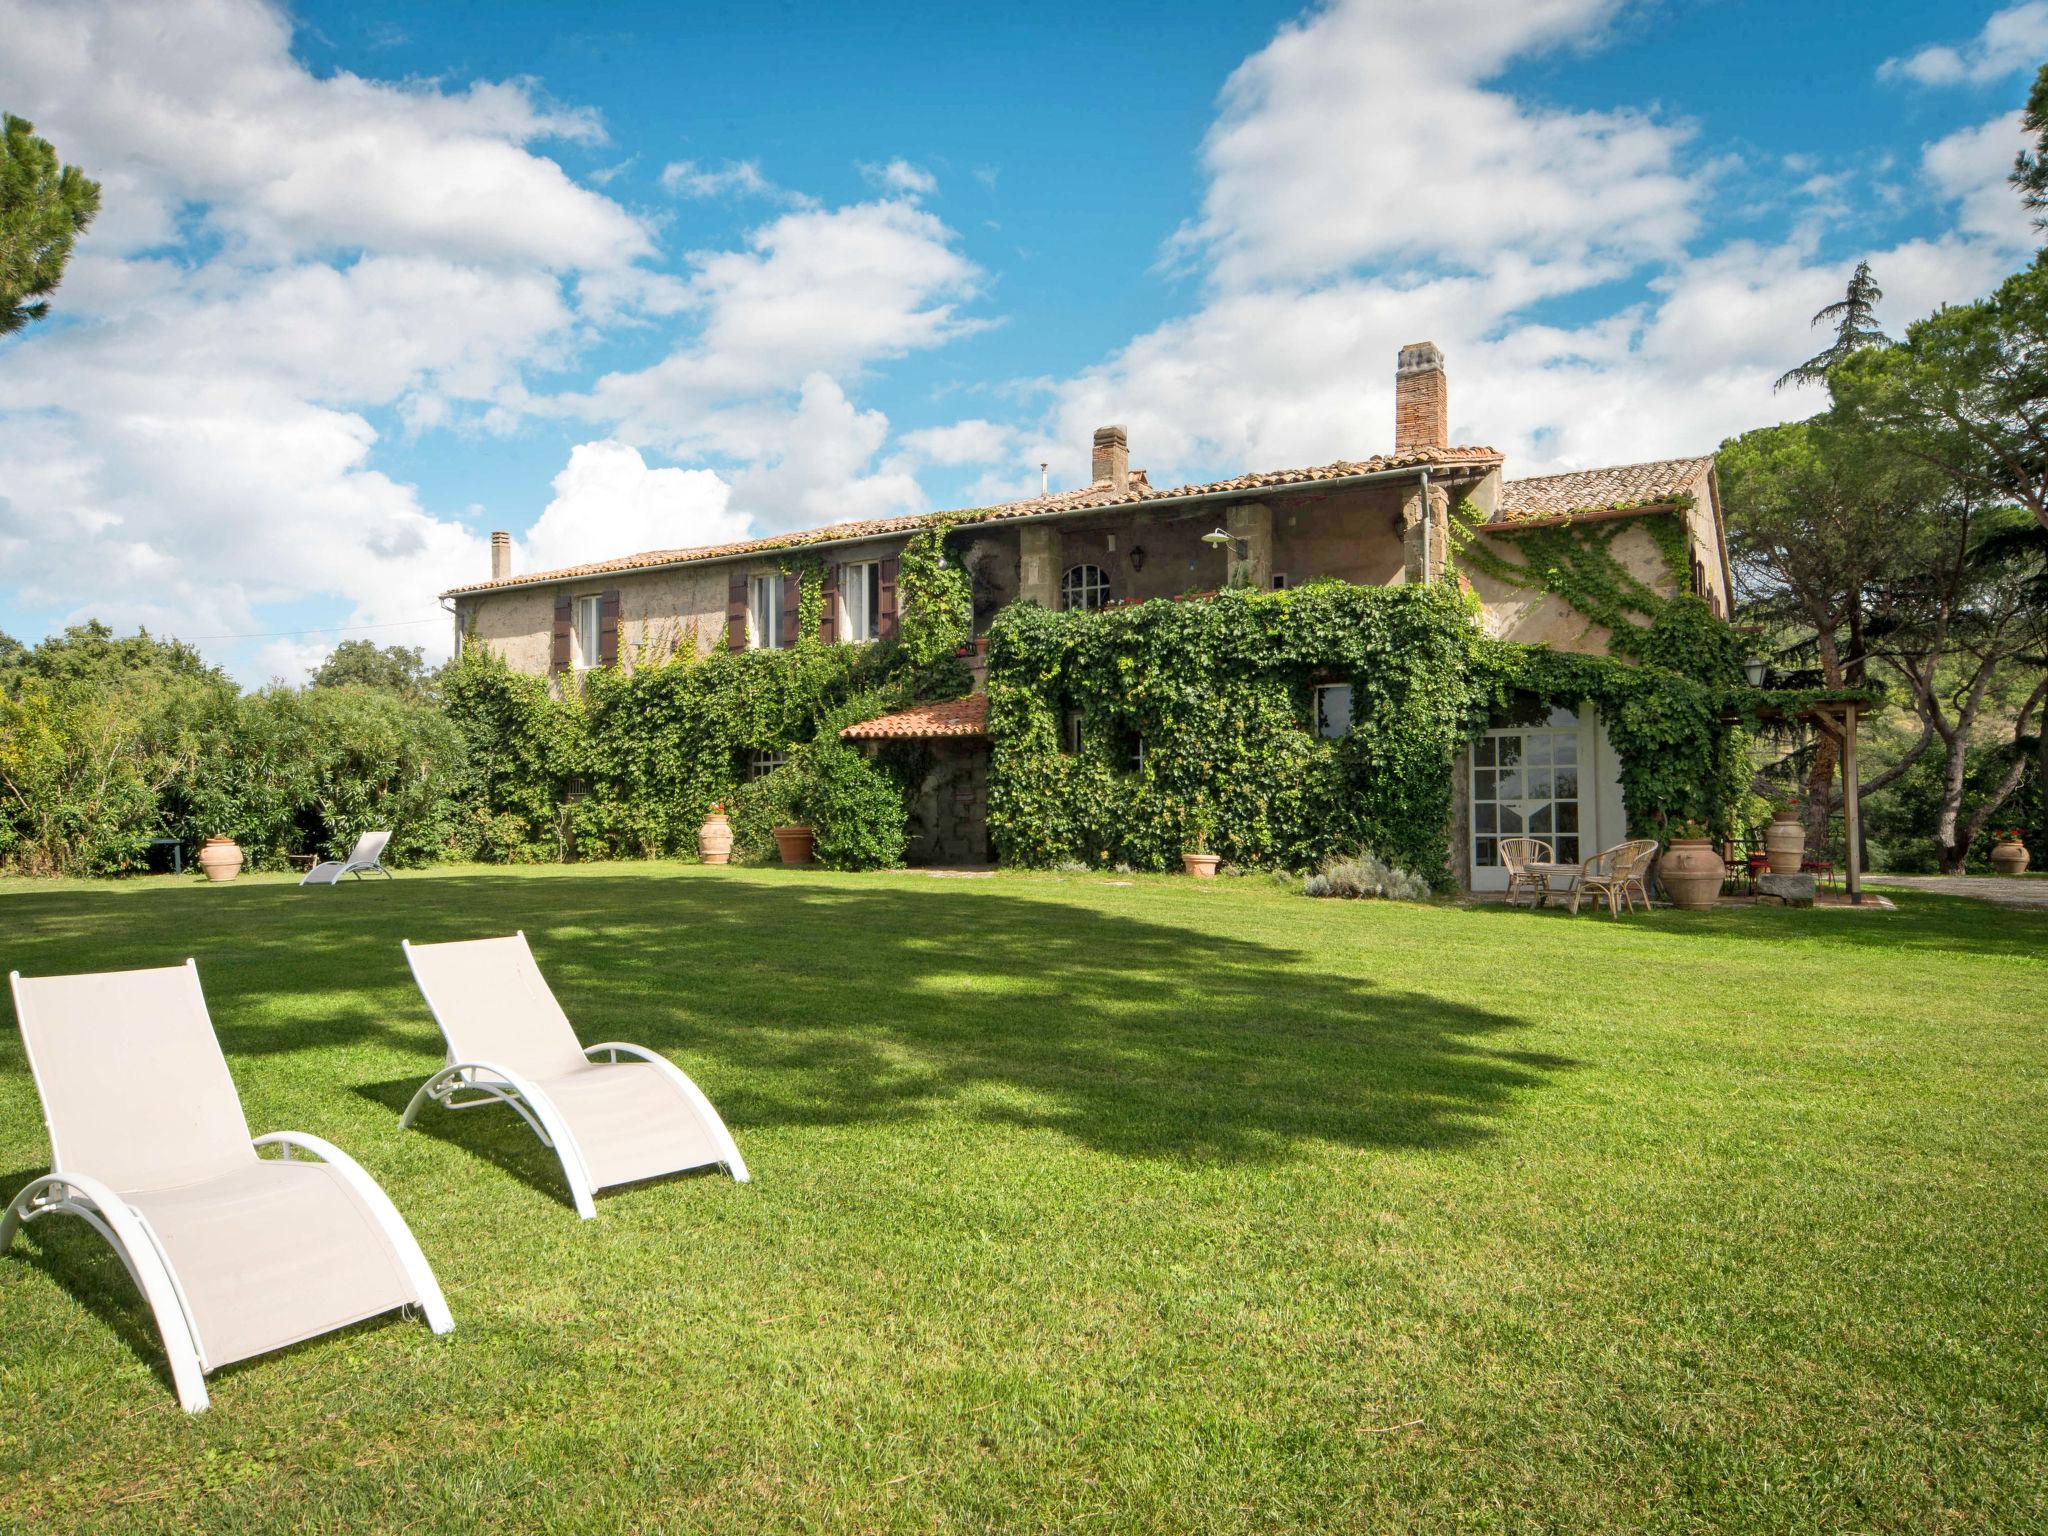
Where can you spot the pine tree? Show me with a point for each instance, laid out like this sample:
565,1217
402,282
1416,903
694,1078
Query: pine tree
43,208
1854,317
2030,171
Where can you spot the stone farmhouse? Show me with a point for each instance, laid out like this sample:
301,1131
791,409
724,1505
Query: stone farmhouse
1379,520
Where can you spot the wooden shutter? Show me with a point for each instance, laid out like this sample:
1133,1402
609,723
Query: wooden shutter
565,625
886,625
608,629
828,626
792,594
736,612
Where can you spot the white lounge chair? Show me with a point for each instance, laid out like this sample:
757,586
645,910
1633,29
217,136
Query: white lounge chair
509,1042
236,1254
367,854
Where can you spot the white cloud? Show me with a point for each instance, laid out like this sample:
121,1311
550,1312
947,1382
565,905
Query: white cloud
191,441
608,502
1365,133
735,178
1971,167
815,292
2013,39
900,178
963,442
813,464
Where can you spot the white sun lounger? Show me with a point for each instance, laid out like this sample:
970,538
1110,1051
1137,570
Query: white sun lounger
367,854
509,1042
236,1254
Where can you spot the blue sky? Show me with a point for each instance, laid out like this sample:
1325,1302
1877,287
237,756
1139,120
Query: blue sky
374,280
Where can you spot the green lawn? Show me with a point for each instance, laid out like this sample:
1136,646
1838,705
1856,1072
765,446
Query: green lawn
1091,1206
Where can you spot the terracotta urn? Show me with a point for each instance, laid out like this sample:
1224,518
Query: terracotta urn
795,844
714,839
220,858
1691,873
1785,841
1201,865
2009,858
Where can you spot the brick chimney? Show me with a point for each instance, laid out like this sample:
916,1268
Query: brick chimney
1422,402
1112,457
501,556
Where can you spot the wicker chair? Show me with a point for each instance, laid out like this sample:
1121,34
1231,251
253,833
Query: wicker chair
1516,855
1618,874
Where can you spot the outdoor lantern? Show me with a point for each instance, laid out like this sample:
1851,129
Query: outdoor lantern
1753,669
1137,557
1218,538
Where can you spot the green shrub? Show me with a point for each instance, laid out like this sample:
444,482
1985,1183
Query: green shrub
1364,876
854,807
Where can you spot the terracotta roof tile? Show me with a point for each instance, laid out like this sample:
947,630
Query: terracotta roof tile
1085,499
927,722
1598,490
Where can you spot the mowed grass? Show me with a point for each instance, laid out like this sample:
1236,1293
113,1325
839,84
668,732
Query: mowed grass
1096,1206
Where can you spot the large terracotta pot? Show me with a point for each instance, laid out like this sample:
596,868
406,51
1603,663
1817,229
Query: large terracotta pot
2009,858
1692,873
1201,865
220,858
714,839
795,844
1785,840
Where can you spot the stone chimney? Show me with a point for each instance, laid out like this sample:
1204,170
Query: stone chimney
1422,402
501,556
1112,457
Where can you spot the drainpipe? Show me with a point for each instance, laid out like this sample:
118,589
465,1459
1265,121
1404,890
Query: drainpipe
1426,519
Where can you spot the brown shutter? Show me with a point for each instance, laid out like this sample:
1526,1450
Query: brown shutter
736,612
828,626
792,593
565,623
608,629
886,625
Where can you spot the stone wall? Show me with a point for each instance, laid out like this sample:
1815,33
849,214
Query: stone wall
949,813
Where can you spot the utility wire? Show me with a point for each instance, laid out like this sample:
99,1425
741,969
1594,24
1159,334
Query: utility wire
292,634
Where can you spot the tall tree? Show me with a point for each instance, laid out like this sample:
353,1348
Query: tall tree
1966,392
44,207
365,664
2030,170
1854,317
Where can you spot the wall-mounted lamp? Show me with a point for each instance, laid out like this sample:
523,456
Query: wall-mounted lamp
1218,539
1137,557
1754,669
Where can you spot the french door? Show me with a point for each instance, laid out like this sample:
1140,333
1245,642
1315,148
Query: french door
1527,782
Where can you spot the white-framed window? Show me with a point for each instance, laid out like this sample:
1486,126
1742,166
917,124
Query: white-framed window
860,601
764,613
1333,709
589,623
1525,783
1084,586
761,764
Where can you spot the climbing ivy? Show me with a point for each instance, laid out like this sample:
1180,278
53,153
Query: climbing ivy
935,603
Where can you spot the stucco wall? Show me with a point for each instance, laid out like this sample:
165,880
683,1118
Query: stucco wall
1536,617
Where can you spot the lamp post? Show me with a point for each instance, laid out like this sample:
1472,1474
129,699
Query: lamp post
1755,669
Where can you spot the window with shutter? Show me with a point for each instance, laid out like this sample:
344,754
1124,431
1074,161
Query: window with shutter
828,621
565,620
608,629
589,623
885,599
792,607
860,601
736,612
764,613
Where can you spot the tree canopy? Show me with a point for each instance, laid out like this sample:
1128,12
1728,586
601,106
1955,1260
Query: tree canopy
365,664
44,207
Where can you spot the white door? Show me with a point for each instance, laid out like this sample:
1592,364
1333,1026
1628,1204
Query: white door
1534,781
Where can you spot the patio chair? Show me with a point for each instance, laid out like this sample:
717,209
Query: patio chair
1516,855
610,1122
367,854
1617,875
236,1254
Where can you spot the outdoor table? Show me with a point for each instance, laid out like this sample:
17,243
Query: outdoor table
1569,871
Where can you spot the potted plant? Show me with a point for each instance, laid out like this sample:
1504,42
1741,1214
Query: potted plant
1691,872
1198,860
2009,854
795,844
1785,838
714,837
220,858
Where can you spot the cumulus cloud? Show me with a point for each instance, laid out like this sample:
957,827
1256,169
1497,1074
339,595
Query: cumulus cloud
191,442
1970,168
963,442
902,179
2013,39
609,502
1327,154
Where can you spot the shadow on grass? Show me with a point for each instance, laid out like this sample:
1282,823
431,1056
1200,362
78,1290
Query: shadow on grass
822,1003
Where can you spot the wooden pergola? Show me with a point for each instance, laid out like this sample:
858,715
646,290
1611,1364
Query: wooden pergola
1836,720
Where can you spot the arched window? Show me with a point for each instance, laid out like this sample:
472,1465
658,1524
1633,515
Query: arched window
1084,586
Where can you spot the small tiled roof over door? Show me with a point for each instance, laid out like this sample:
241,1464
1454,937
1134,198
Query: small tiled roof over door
956,719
